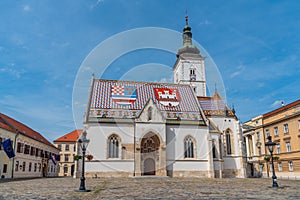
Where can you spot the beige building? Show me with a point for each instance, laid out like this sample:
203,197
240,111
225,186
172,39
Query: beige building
6,132
68,147
283,124
32,151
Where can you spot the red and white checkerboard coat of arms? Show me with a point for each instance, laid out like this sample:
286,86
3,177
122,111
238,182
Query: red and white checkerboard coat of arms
123,95
167,96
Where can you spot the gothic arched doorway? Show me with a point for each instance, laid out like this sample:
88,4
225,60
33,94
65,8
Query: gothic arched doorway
149,167
149,154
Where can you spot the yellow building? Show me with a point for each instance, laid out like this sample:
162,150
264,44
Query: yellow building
68,147
32,151
283,124
6,163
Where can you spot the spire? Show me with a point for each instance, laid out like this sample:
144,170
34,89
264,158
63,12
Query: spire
187,46
186,18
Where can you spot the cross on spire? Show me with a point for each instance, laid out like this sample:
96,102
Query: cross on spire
186,17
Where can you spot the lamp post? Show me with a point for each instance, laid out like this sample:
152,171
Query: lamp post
271,146
83,142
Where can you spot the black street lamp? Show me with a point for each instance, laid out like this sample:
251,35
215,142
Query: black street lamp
83,142
271,146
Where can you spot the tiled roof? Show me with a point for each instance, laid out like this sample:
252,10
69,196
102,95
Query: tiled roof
11,124
215,105
70,137
182,103
283,108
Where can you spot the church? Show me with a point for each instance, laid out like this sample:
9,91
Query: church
163,129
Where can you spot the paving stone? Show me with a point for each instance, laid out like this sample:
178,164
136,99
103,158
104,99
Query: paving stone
148,188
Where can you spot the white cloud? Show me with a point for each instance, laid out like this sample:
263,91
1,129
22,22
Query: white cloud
277,104
96,4
16,73
239,70
26,8
205,22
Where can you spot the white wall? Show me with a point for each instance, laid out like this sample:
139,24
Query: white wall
99,133
175,141
107,166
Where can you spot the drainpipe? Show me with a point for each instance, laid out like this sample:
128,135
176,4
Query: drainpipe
134,126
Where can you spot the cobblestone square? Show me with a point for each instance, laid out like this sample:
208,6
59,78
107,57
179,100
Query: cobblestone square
149,188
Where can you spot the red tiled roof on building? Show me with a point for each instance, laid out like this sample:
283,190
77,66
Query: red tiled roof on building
283,108
70,137
13,125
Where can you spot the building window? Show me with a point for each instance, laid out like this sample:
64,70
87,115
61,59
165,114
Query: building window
42,153
37,152
67,157
288,147
192,74
149,113
278,148
17,166
20,147
280,167
35,167
27,149
47,154
24,166
65,169
286,128
214,150
4,168
113,147
32,151
267,133
123,152
291,167
40,167
74,148
258,136
59,146
188,147
29,169
67,147
259,151
228,143
276,131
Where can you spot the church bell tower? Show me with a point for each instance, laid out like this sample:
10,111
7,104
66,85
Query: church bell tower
189,66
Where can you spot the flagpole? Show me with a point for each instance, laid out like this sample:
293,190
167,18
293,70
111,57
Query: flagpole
13,161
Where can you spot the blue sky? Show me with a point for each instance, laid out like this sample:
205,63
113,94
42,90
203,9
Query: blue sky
254,43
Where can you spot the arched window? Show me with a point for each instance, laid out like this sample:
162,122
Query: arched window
214,150
228,143
189,147
192,74
149,113
113,147
123,153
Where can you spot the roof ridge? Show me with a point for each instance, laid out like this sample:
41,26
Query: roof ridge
42,139
145,82
290,105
